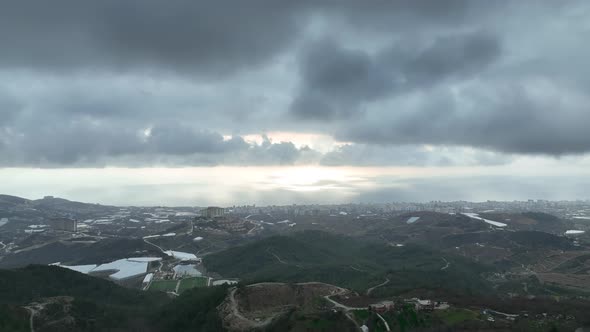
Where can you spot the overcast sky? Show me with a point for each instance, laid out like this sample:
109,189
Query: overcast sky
451,94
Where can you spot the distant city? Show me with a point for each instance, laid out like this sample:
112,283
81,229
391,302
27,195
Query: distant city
579,209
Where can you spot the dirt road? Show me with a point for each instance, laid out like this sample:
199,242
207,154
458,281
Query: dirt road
33,309
447,264
381,284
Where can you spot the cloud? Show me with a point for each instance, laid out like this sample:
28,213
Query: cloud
282,153
90,143
81,84
411,155
180,140
202,37
531,117
84,144
66,143
205,37
336,80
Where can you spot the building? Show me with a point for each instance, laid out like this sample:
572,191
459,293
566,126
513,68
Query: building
186,270
212,212
148,278
492,313
425,305
238,225
63,224
382,306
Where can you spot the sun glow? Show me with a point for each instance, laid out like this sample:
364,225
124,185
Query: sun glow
312,178
320,142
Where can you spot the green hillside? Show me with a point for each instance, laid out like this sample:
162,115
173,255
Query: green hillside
347,262
13,318
194,310
100,305
531,221
36,281
514,240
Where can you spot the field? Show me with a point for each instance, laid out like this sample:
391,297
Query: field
189,283
454,316
361,316
571,280
164,285
556,259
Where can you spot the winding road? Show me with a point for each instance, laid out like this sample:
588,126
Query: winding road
155,245
348,309
446,266
276,256
381,284
280,260
31,318
356,269
251,324
33,309
384,321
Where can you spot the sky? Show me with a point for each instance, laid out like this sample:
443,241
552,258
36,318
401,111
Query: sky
149,102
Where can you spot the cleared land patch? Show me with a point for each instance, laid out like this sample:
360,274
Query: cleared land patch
455,316
164,285
571,280
189,283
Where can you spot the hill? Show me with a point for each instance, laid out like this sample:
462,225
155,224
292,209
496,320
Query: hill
423,228
346,262
71,301
92,303
7,201
64,205
51,205
531,221
519,240
20,286
283,307
68,253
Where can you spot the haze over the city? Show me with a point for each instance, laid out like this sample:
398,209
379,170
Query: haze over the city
266,102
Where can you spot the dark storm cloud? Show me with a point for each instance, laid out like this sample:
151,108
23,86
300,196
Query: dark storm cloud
269,153
511,120
336,80
82,82
9,108
66,143
403,15
447,56
203,36
183,140
88,143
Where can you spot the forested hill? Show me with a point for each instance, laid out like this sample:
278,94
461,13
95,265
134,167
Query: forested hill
77,302
347,262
